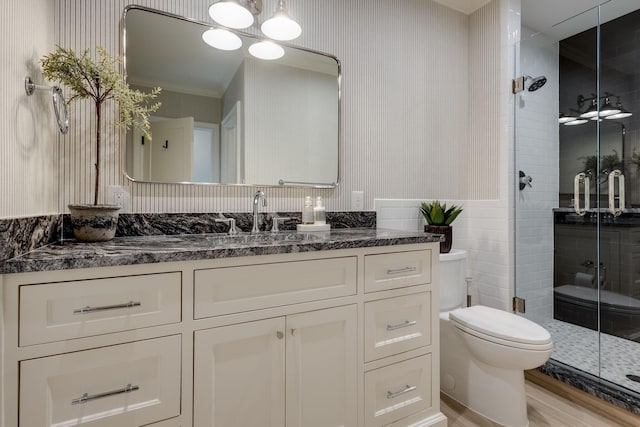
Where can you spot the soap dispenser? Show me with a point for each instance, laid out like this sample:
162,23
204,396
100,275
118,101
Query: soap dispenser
307,212
319,212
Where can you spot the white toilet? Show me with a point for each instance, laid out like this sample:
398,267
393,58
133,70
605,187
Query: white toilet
484,351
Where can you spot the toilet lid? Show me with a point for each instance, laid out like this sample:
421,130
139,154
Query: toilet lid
500,324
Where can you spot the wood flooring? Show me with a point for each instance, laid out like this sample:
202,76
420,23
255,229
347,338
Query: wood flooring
546,408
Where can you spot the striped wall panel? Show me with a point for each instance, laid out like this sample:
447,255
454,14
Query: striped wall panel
483,160
28,157
407,68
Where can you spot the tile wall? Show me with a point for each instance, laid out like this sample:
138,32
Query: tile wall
480,230
537,152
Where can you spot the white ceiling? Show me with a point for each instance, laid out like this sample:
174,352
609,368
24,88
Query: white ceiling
464,6
543,16
560,19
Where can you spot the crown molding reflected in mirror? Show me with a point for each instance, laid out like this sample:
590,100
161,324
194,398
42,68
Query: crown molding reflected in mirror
228,117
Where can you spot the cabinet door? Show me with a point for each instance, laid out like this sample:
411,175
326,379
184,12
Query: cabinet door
321,368
239,375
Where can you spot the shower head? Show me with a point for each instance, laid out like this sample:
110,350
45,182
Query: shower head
536,82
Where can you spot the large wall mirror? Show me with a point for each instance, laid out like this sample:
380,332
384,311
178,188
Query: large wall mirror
228,117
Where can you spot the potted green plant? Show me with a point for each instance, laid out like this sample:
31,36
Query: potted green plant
439,218
100,81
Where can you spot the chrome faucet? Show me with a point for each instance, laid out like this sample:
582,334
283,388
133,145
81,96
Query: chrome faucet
256,199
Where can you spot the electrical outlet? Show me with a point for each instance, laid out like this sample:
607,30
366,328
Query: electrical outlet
357,200
119,196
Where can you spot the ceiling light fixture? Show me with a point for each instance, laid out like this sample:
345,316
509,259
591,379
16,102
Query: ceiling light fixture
280,26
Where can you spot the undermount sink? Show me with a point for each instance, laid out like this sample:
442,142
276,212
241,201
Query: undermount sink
263,238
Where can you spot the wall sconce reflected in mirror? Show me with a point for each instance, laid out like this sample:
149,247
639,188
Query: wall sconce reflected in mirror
266,50
222,39
236,14
606,110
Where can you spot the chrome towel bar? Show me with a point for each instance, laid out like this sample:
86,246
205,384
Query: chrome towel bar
59,103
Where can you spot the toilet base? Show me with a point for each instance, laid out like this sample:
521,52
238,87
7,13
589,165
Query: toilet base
497,394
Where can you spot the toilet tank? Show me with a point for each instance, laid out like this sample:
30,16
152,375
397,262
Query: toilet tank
453,287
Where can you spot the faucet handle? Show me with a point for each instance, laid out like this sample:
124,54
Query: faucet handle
231,222
275,219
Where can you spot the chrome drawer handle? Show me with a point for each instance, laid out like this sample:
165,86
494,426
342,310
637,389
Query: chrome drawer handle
86,397
404,324
89,309
407,389
401,270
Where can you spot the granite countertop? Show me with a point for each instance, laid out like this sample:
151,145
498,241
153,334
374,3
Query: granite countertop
187,247
601,210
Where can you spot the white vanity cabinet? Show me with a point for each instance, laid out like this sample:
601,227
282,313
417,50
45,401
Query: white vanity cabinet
275,372
344,337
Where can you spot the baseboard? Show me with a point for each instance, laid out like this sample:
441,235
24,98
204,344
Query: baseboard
582,398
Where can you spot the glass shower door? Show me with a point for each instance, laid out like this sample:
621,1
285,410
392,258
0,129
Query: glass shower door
577,199
619,177
556,201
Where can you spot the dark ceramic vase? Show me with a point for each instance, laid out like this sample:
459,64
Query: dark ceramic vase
446,230
94,223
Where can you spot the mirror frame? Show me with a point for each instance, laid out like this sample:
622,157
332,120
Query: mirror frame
282,184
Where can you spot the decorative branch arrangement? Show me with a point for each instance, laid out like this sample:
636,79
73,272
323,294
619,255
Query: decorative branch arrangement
100,81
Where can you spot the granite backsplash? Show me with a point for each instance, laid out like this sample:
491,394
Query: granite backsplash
21,235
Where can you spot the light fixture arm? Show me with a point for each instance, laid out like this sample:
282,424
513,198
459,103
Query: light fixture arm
253,6
581,99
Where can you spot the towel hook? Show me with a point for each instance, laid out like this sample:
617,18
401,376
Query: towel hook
57,98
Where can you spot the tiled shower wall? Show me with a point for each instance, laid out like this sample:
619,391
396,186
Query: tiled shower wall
397,141
537,155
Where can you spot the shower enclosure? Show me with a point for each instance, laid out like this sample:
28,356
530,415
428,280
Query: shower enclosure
577,201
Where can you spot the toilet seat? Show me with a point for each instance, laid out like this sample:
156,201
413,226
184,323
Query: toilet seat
501,327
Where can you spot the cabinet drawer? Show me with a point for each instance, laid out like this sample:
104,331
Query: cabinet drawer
227,290
396,270
397,391
395,325
58,311
123,385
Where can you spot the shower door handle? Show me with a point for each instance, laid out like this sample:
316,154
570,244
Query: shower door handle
612,192
581,177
